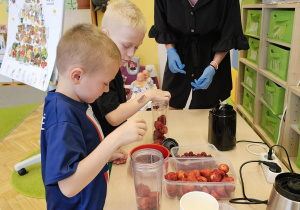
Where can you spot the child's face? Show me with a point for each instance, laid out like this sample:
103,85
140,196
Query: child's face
140,77
146,74
128,40
92,85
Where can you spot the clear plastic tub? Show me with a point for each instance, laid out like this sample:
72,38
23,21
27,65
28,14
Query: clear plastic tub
209,149
224,190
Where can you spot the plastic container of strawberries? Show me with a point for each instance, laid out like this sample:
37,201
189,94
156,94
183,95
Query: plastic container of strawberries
176,189
198,150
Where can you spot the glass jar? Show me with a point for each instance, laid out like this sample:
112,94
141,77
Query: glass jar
159,119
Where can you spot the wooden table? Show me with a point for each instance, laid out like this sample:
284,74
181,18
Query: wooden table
190,127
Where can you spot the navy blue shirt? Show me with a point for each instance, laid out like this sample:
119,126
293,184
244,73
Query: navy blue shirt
69,133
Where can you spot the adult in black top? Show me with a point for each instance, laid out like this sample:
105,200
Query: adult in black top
202,34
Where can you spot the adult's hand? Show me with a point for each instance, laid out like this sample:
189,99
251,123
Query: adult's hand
205,80
175,64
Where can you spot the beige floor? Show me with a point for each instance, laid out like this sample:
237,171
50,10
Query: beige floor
17,145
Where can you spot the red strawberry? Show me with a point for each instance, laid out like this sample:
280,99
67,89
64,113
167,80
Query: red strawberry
215,194
222,173
205,172
164,130
228,179
215,176
158,141
224,168
180,174
221,190
153,200
188,188
158,125
205,189
157,134
143,202
162,119
201,179
203,154
142,190
172,190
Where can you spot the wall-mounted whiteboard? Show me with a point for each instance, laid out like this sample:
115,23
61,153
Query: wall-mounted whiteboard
34,29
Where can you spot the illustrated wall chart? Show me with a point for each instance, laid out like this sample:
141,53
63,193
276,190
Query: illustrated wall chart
34,29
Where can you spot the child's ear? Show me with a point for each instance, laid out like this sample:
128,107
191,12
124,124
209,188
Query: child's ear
105,31
76,75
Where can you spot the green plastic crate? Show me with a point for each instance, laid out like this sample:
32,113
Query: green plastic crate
274,97
248,102
253,51
298,157
281,25
270,123
250,78
278,61
253,23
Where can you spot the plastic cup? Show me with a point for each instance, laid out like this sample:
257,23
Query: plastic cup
197,200
159,119
147,169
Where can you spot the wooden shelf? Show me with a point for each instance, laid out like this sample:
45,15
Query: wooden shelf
293,163
295,128
279,43
245,86
289,133
244,113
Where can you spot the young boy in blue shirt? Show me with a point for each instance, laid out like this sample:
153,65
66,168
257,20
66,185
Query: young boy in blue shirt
73,149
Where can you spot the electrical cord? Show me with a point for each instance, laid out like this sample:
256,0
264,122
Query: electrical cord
254,143
287,155
245,199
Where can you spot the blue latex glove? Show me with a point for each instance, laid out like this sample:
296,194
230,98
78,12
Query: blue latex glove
205,80
175,64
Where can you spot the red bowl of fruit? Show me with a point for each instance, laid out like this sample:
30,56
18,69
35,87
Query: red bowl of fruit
165,152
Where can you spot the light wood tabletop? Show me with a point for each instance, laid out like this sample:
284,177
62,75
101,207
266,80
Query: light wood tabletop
190,127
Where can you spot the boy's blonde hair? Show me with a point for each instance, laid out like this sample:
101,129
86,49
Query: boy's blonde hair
123,13
85,46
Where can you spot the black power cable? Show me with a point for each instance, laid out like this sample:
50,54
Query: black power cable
287,155
257,142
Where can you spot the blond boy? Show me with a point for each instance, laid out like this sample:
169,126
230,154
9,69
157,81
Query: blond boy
73,149
125,24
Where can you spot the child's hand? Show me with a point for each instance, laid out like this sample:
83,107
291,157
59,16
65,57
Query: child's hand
119,157
131,131
159,95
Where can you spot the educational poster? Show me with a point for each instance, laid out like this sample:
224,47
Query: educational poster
34,29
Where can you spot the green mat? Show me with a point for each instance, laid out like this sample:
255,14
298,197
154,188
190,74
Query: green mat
12,116
31,184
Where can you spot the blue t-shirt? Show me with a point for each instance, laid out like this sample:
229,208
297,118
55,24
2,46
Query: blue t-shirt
69,133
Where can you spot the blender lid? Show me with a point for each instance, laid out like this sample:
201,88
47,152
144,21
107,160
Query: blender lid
222,110
288,185
169,143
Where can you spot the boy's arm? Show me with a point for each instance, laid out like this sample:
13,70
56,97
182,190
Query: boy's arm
128,109
89,167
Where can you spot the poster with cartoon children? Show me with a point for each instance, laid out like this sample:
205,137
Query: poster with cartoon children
34,29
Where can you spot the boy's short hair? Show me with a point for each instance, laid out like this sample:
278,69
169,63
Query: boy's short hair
126,13
85,46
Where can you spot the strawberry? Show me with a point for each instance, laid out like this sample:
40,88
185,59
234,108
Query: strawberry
153,200
191,178
142,190
205,189
143,202
196,173
180,191
180,174
222,173
158,125
201,179
158,141
203,154
164,130
228,179
215,194
224,167
221,190
188,188
157,134
172,190
205,172
215,176
162,119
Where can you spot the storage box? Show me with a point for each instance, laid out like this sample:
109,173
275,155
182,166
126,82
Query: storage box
248,102
253,23
250,78
209,149
274,97
179,188
281,25
278,61
270,123
253,51
298,158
